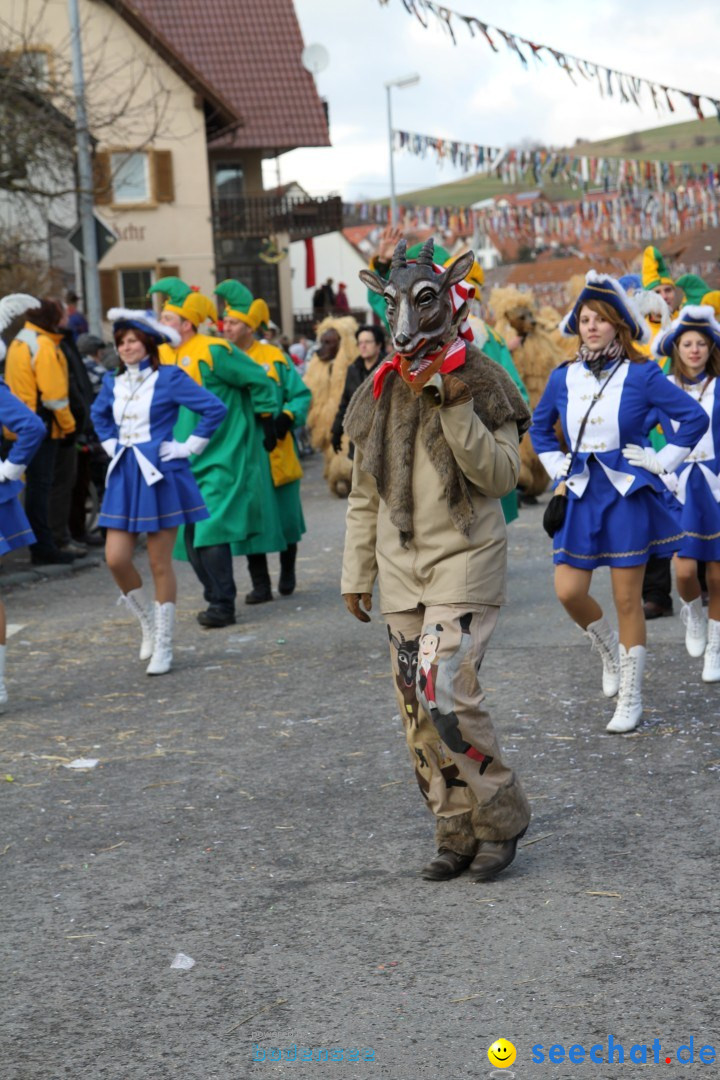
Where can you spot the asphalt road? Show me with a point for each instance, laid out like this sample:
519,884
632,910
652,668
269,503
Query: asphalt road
255,811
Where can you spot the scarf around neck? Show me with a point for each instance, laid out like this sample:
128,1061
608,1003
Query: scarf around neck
596,359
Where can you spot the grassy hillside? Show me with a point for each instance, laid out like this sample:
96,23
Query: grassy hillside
694,142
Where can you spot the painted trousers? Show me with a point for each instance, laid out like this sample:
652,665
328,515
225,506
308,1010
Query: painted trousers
436,653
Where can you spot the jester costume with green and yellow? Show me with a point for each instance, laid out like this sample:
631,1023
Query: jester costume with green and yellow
231,472
283,523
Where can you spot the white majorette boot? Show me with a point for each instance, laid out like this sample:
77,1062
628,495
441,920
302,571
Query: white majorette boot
628,710
605,640
135,601
3,691
162,657
696,629
711,667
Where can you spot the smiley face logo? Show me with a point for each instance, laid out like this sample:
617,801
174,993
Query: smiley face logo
501,1054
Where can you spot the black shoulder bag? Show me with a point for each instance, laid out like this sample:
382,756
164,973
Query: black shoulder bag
554,515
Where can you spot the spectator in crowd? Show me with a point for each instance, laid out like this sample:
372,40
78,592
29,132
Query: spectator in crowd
342,304
81,396
76,321
36,371
371,349
91,349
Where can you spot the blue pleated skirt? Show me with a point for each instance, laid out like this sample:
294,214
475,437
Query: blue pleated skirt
605,528
134,506
700,520
15,531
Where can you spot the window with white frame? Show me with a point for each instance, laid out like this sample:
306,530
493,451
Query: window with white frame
35,66
134,285
130,177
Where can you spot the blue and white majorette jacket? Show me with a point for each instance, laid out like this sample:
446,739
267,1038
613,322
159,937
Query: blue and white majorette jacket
29,432
629,405
705,456
136,411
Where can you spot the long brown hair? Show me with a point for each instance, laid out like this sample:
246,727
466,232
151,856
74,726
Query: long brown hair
622,330
147,340
712,368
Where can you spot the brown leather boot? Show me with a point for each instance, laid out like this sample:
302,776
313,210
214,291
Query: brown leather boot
492,858
446,864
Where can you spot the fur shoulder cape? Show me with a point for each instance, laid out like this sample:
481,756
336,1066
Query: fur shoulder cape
385,432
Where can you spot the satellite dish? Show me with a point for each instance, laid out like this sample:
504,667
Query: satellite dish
315,58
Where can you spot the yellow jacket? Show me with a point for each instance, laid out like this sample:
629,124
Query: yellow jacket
36,371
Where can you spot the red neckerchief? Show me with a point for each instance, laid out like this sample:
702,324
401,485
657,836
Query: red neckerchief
455,358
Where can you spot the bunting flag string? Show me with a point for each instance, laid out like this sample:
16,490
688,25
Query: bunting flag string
620,218
610,81
534,165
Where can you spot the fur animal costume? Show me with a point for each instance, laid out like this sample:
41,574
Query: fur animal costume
326,380
535,357
436,434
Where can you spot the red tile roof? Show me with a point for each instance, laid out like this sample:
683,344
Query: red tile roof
248,54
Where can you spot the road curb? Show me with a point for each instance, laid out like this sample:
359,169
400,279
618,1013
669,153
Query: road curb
37,575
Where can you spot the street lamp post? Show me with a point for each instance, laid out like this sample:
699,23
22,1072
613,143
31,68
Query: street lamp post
407,80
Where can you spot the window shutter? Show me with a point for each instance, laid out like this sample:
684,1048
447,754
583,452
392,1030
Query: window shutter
163,167
102,178
109,292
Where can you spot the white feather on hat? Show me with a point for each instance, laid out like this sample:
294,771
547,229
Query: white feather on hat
145,319
651,303
10,307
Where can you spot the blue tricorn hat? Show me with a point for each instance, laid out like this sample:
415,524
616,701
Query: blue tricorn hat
700,318
608,290
126,319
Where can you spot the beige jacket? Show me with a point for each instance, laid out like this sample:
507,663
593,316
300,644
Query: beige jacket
440,565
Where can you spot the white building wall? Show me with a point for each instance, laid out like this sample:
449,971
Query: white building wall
336,258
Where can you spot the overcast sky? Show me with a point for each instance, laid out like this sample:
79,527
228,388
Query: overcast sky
471,94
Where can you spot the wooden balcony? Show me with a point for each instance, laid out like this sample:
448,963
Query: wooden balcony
258,216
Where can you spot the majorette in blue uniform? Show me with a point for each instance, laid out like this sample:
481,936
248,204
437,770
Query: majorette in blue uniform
30,431
135,413
618,513
696,482
697,486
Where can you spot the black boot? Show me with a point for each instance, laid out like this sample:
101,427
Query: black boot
261,591
286,584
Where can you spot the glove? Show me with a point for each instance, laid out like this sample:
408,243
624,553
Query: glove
643,457
172,450
446,390
671,481
352,603
9,470
109,446
283,424
563,468
337,441
270,440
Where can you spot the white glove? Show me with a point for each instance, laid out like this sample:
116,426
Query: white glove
643,457
170,451
109,446
10,471
563,468
671,481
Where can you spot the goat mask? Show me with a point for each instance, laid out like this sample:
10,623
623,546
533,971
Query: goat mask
420,312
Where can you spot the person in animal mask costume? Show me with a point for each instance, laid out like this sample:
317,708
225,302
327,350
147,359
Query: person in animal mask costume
436,431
